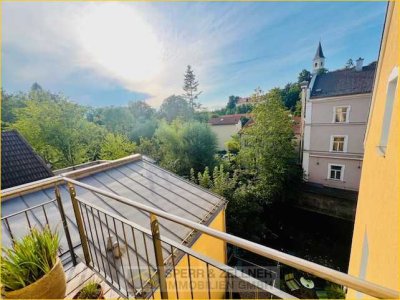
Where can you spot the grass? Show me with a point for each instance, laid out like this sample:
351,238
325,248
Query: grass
89,291
29,259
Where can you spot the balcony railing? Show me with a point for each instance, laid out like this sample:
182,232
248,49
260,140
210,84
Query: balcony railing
142,262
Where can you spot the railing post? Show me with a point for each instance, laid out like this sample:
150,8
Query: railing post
155,232
79,222
65,224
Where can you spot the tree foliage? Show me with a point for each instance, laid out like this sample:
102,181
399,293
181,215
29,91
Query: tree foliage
190,86
116,146
304,75
233,144
269,151
185,145
291,95
175,107
349,64
57,129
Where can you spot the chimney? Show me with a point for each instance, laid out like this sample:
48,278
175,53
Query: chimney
359,64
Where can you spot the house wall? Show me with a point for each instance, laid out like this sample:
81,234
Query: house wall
320,167
359,108
212,248
224,134
375,247
320,127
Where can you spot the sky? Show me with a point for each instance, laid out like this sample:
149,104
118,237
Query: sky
110,53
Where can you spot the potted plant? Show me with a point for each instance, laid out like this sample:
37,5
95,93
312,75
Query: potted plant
92,290
31,269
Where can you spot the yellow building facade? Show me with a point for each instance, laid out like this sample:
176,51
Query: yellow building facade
200,278
375,247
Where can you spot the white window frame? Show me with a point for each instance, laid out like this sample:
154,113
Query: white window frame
391,89
341,174
346,138
347,115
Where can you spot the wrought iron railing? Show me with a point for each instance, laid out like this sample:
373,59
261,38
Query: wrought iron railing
21,222
328,274
146,266
150,265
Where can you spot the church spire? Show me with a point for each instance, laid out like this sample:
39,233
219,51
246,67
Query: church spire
319,59
319,53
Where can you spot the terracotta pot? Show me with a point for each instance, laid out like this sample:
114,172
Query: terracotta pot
51,286
100,296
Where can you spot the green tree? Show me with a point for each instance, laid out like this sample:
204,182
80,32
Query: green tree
141,110
291,94
304,75
233,144
223,184
349,64
9,104
200,145
175,107
57,129
150,147
232,103
116,146
185,145
190,86
269,153
244,109
322,71
245,217
297,109
204,178
115,119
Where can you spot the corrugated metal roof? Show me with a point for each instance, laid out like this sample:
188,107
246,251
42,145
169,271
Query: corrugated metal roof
140,181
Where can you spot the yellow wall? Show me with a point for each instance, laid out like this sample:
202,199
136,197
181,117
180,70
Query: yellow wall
210,247
375,247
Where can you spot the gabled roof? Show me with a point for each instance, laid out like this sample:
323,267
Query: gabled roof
20,164
227,119
319,53
344,82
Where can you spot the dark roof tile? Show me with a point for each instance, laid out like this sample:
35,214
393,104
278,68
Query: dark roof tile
344,82
19,162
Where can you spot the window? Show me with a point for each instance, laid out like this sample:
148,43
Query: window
387,117
338,143
341,114
336,172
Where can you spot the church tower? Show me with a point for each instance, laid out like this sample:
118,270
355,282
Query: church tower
319,59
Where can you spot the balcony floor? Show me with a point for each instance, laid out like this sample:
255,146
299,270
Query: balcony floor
79,275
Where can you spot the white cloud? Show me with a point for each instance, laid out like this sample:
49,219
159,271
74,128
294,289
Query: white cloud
130,44
145,47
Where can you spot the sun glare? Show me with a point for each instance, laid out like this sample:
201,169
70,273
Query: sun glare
117,39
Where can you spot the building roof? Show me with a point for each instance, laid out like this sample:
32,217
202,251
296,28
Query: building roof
344,82
227,119
133,177
20,164
319,53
